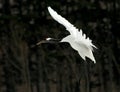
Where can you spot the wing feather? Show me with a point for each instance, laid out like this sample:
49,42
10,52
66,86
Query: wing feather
73,30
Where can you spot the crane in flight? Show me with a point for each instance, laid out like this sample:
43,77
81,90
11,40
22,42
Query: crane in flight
77,39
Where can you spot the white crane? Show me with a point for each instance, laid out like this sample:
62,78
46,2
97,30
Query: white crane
78,41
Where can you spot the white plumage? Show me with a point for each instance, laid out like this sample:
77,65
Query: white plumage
77,39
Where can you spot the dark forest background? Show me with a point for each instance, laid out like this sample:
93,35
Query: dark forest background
56,67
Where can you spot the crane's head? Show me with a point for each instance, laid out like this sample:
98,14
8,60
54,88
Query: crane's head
48,39
52,40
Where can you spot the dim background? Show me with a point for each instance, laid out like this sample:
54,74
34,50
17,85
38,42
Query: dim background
56,67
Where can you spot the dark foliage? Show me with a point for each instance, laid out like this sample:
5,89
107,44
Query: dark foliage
56,67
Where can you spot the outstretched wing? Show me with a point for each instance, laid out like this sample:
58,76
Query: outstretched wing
73,30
